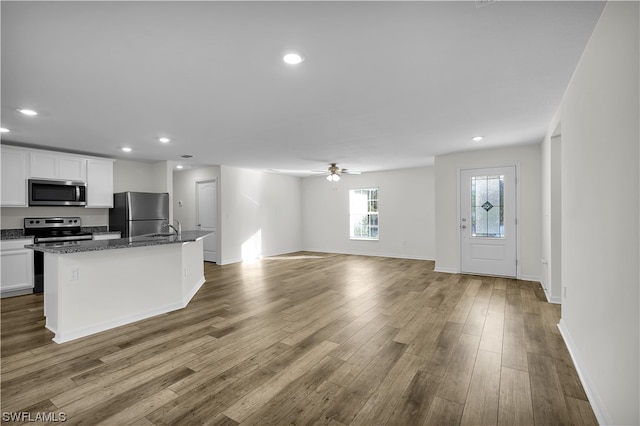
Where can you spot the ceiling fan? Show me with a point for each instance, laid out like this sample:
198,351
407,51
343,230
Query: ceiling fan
334,172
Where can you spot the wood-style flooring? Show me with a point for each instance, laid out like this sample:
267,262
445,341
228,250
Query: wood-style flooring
308,338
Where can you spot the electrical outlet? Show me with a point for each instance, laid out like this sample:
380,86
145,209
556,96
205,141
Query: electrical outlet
74,274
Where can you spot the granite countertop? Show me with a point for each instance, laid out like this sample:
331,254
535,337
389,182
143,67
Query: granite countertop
119,243
106,232
12,234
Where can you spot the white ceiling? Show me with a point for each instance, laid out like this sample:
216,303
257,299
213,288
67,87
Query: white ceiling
384,85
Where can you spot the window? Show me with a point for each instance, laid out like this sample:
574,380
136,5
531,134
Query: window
487,206
363,209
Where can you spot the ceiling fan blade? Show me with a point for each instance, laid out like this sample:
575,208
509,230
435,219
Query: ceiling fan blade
350,172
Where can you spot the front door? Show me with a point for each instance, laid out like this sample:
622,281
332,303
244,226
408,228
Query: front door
207,217
488,221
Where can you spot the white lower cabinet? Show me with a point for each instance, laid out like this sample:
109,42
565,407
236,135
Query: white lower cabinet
17,267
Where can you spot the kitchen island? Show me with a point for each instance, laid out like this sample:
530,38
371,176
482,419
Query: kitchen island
92,286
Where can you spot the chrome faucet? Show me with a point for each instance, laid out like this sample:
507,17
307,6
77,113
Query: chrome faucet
178,229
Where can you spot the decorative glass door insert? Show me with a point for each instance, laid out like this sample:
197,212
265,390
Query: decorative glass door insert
487,206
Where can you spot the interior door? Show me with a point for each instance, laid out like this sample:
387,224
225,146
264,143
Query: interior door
207,217
488,221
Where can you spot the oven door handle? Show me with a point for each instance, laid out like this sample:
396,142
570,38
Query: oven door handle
57,239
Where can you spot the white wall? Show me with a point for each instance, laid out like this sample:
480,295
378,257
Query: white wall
447,169
260,214
184,189
599,116
140,176
144,177
406,214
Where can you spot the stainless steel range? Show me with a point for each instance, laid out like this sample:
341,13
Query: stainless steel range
51,230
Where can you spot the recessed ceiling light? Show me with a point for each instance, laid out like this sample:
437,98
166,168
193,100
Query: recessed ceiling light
4,130
292,58
477,138
126,149
27,111
179,166
164,140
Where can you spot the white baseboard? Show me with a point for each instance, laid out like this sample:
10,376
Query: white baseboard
20,292
592,394
187,298
275,253
391,255
533,278
552,299
446,270
108,325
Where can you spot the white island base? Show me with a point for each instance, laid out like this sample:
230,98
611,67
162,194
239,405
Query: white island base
89,292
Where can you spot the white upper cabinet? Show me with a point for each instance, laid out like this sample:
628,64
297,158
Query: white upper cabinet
49,165
21,164
14,177
99,183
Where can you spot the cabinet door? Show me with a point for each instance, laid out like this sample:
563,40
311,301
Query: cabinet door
99,183
72,168
17,270
14,177
53,166
44,165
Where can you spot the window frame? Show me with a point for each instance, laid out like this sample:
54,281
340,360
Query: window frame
369,213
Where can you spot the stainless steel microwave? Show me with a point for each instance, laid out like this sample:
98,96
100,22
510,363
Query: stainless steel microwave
45,192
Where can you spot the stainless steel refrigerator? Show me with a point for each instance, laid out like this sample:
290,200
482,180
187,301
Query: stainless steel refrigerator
139,213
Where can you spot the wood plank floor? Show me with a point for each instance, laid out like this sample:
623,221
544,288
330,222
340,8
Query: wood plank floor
308,338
